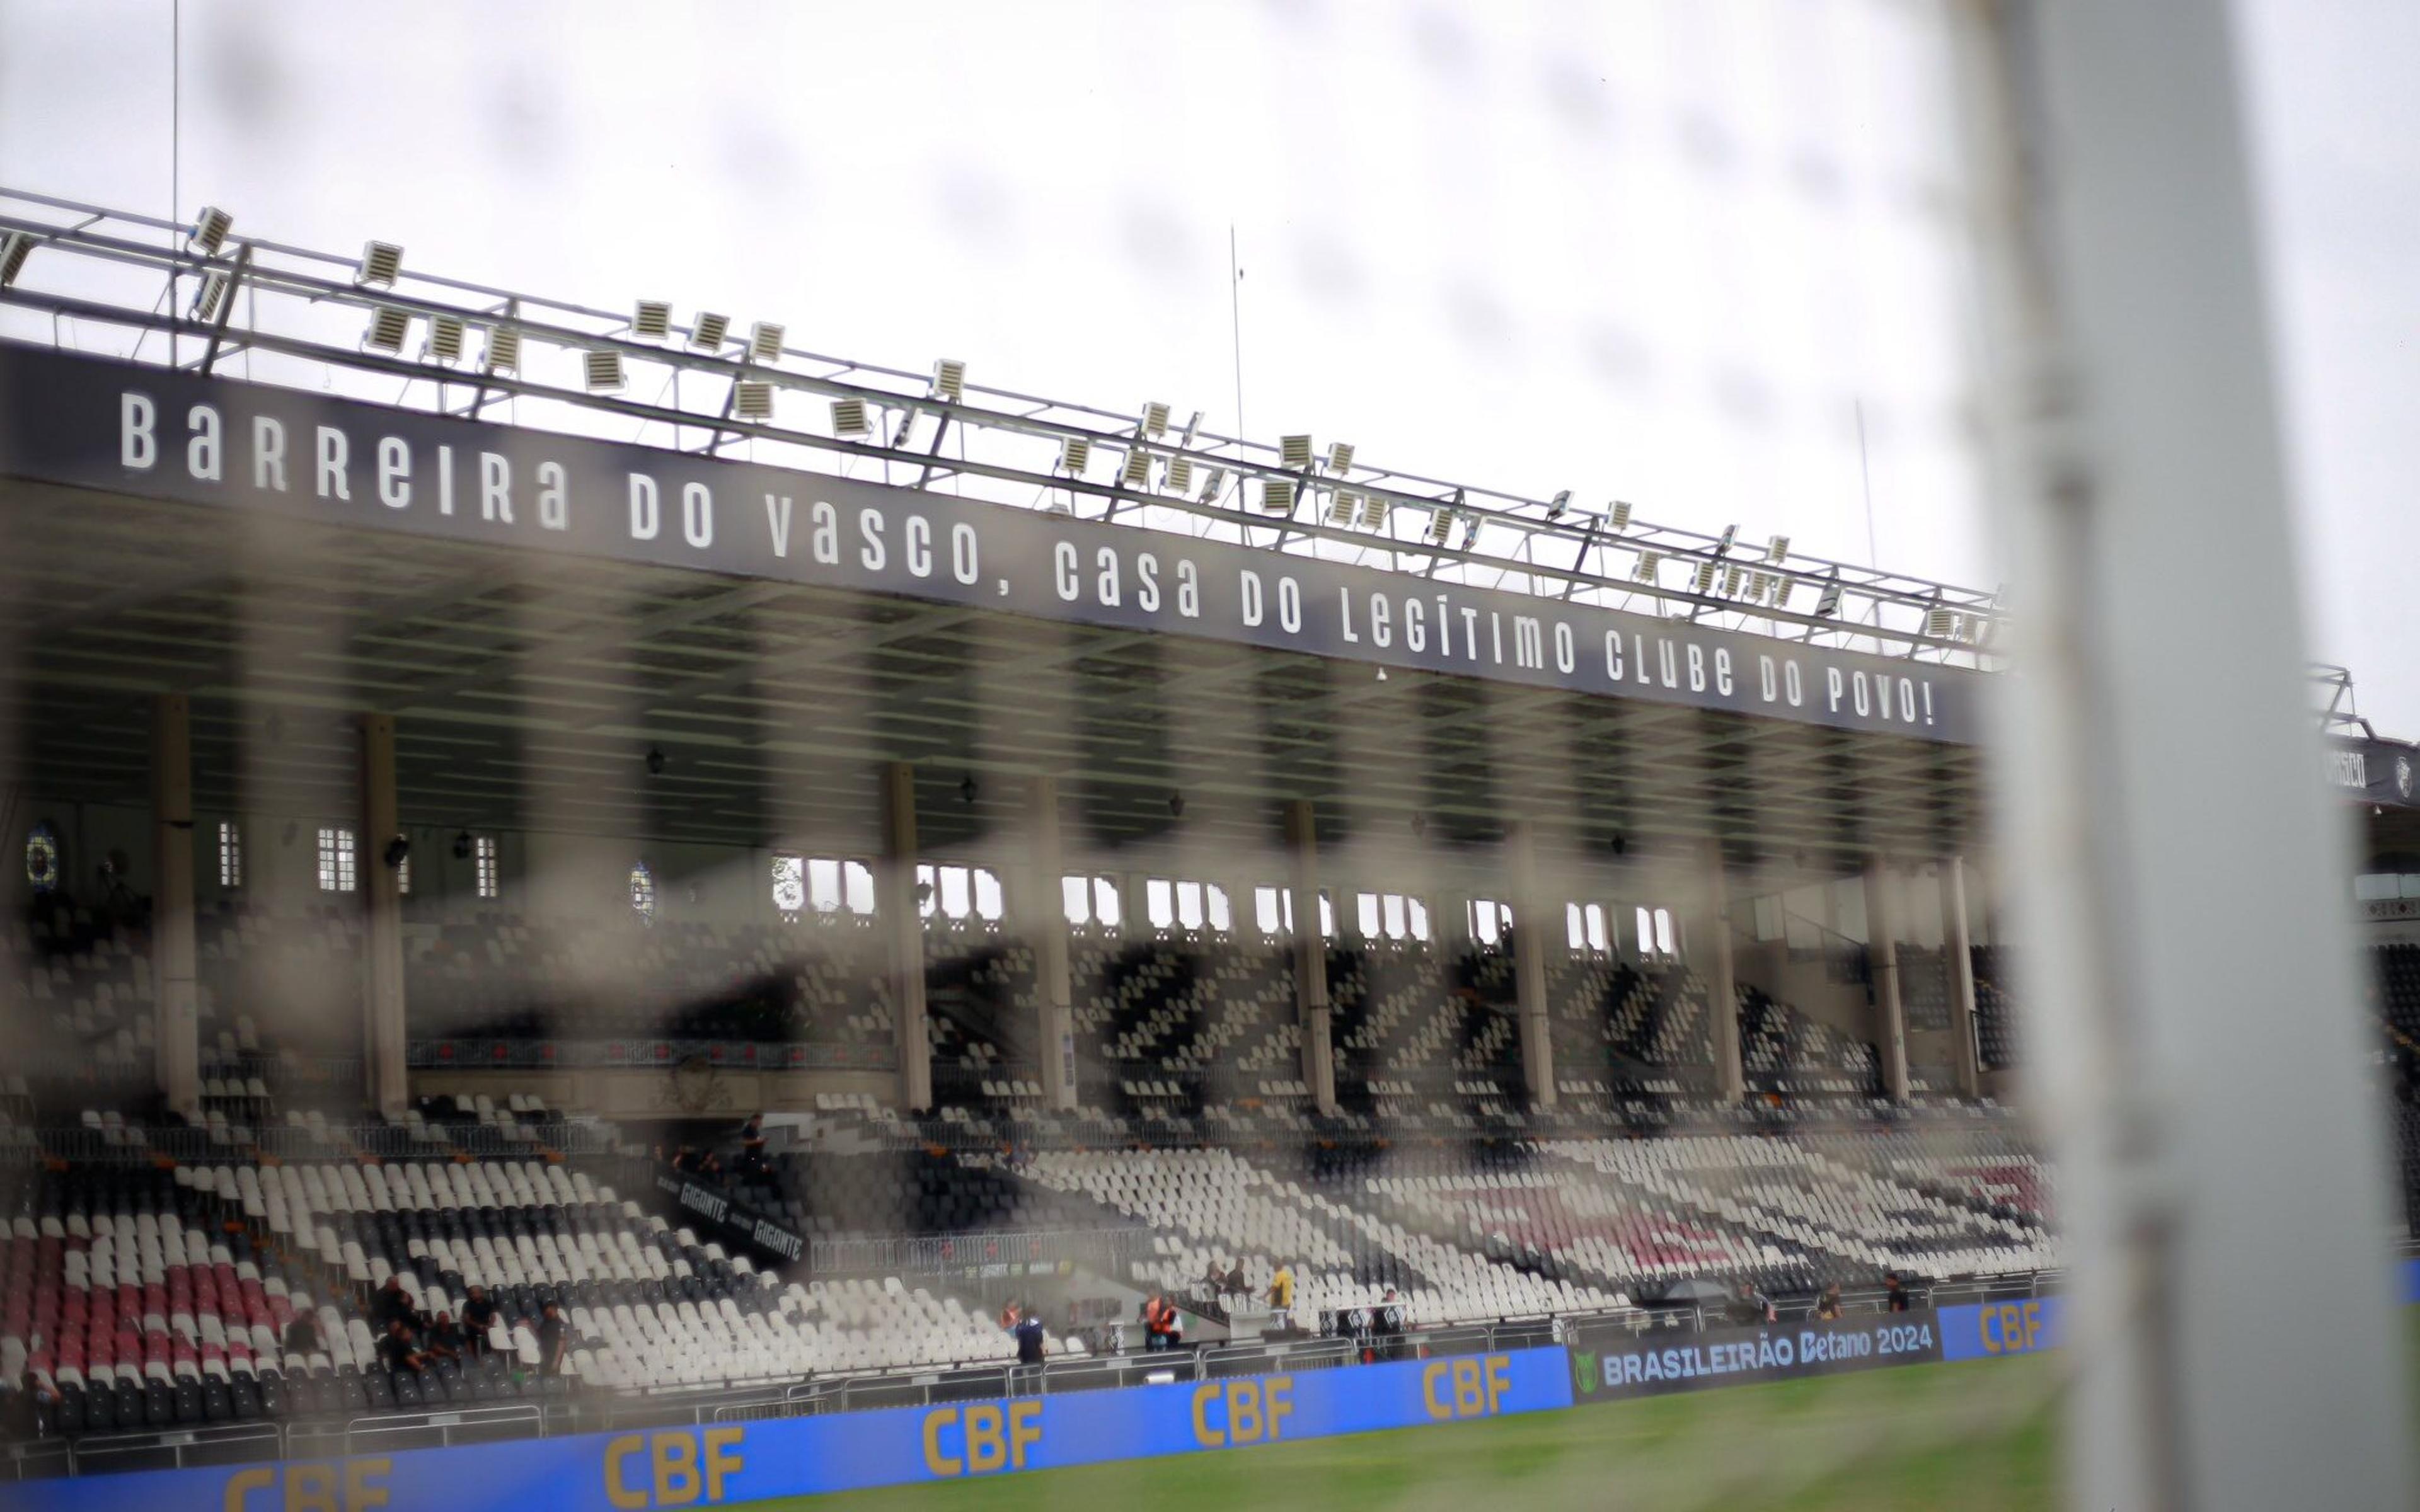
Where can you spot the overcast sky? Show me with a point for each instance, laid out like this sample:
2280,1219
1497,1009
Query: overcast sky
1706,257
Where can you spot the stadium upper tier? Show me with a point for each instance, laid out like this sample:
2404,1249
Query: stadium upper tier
287,316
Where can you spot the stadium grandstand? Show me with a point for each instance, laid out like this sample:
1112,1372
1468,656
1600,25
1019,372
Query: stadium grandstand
688,875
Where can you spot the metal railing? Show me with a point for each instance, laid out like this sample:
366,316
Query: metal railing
292,315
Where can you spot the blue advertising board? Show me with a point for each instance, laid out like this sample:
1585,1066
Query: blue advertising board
726,1464
1994,1330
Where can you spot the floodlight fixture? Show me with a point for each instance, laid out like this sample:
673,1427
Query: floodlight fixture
1214,483
1759,584
504,348
1135,472
1075,454
388,327
1776,549
1783,586
764,342
1705,577
849,418
209,232
1294,453
446,333
652,320
1647,563
752,400
1374,513
1440,527
1339,457
1470,530
707,331
212,296
1732,578
381,263
1192,428
603,370
1277,496
1179,476
1341,506
950,380
1730,538
1940,624
1155,420
1618,520
1829,603
15,247
1561,502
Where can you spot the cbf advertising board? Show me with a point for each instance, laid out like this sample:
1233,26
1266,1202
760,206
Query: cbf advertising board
727,1464
155,433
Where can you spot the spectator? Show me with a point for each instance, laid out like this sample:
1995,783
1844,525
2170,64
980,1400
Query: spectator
391,1304
1281,1292
1235,1286
397,1349
1214,1280
1030,1338
1008,1317
33,1407
1827,1307
554,1340
445,1339
1897,1289
478,1317
1153,1339
1751,1307
302,1336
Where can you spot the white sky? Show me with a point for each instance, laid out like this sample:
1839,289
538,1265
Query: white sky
1664,252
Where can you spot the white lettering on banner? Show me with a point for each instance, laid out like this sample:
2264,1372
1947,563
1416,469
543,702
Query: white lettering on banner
1382,630
1189,589
554,497
964,558
495,488
394,473
136,447
1249,585
1065,572
202,453
2347,768
919,546
1344,613
869,528
1107,560
777,523
445,480
697,515
333,454
1529,642
1147,584
267,453
827,533
646,511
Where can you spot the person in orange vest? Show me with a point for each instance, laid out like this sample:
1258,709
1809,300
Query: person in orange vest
1154,1339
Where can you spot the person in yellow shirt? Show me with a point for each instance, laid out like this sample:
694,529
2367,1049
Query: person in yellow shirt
1281,1289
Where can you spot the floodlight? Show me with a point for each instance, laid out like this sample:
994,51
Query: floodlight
445,337
1179,476
1295,452
652,320
1732,578
604,370
1731,536
1705,577
1341,507
1648,562
504,348
764,342
1192,427
1620,520
1155,420
14,249
212,296
1469,531
1075,454
388,327
1374,513
380,262
1563,502
752,400
1212,485
1776,549
950,380
1339,457
706,333
1783,586
1135,472
209,231
849,418
1829,603
1759,584
1277,496
1440,527
1939,623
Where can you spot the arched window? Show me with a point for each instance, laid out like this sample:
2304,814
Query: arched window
43,860
789,884
643,891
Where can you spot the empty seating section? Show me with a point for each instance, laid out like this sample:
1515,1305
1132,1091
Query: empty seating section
1625,1017
1175,1024
979,991
1417,1030
1785,1052
1995,1028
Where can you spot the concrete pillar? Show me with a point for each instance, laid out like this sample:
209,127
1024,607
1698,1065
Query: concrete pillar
1309,956
1957,957
1531,913
383,1036
176,999
903,928
1713,951
1054,1035
1882,956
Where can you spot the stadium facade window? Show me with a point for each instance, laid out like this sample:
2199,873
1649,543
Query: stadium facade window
1657,939
1490,922
1091,899
1392,915
230,856
837,884
482,866
336,859
643,891
403,876
789,880
1768,917
44,867
1273,910
1179,902
953,891
1584,925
